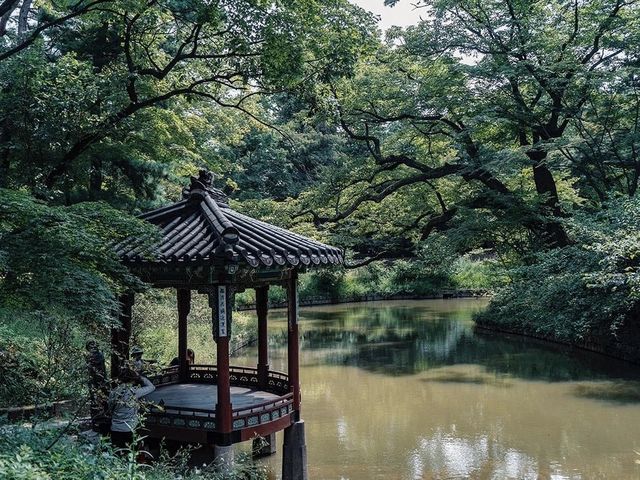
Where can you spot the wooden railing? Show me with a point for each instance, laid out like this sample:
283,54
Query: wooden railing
204,419
263,412
277,382
165,376
171,416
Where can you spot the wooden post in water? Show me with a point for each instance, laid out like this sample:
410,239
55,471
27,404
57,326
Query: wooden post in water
293,342
294,453
294,449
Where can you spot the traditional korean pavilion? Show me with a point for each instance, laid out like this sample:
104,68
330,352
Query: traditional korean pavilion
208,248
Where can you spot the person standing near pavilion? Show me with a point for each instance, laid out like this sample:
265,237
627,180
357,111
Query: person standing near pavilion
136,359
139,364
124,404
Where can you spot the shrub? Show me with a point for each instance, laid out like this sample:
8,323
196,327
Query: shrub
26,454
41,358
586,291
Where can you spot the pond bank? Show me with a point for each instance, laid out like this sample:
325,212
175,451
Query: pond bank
618,350
327,300
602,344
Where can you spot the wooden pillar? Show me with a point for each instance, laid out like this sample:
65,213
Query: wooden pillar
224,407
293,340
294,451
262,298
121,334
219,301
184,306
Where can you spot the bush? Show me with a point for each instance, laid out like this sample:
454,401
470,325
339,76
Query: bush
588,291
483,273
552,298
26,454
41,359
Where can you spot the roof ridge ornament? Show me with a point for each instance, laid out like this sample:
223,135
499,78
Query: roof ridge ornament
201,186
204,180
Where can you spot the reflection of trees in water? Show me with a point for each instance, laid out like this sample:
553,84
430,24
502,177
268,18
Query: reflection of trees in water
402,341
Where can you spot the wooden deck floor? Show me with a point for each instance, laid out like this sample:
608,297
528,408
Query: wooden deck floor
198,395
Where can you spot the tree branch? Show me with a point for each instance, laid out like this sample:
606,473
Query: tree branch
58,21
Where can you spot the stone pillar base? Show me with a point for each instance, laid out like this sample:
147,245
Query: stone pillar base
294,453
223,457
264,446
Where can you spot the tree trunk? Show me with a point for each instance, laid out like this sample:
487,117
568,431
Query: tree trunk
23,17
5,155
95,179
553,231
633,187
8,8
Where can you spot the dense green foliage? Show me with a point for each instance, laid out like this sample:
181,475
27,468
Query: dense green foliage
54,255
587,292
105,112
41,360
106,107
507,129
60,283
155,328
421,276
43,454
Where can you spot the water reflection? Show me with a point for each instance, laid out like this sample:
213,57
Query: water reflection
409,391
406,338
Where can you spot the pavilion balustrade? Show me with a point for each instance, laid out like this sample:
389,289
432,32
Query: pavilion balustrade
276,382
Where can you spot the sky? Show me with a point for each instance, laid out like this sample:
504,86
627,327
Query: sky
402,14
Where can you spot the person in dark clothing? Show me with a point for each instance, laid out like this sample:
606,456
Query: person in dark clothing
191,358
136,359
98,386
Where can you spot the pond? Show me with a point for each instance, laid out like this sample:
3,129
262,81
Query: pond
407,390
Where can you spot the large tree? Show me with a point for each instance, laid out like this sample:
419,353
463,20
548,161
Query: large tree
84,86
487,107
117,101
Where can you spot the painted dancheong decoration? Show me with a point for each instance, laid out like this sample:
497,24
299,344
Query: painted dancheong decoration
206,247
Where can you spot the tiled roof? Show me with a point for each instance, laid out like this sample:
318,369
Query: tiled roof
203,228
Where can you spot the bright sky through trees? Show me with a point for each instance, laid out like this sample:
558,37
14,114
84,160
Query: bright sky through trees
403,14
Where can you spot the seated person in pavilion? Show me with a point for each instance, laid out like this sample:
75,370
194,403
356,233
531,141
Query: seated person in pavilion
191,359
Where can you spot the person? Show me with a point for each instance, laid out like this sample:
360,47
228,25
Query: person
136,359
124,404
98,388
191,359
